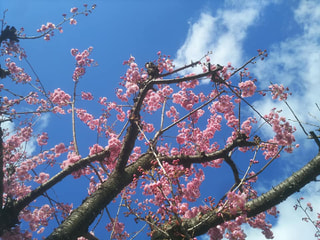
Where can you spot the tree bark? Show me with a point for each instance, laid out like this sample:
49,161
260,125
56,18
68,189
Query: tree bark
201,224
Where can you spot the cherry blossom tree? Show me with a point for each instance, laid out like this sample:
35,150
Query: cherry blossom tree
164,132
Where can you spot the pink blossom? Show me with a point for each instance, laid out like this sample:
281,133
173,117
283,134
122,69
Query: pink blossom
73,21
46,37
74,10
60,148
153,101
17,73
192,191
248,88
95,149
278,91
117,229
51,25
216,233
283,129
60,98
181,138
43,177
82,61
74,51
72,158
86,96
43,139
172,113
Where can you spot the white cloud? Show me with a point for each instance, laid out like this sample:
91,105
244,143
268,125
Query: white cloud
29,147
290,225
223,34
42,123
8,126
295,63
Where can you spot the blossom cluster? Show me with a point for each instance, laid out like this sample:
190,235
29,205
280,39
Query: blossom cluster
135,76
117,229
283,130
39,218
82,61
43,139
18,74
186,99
47,30
248,88
171,187
279,91
164,63
232,229
60,97
131,79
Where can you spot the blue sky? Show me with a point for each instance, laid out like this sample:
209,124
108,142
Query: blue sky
187,30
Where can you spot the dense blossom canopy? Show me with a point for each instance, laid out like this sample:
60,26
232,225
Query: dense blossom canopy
162,135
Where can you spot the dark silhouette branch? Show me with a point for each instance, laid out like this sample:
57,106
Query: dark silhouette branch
189,78
9,33
316,139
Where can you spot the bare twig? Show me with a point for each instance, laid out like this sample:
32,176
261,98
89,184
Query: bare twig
58,25
244,65
117,216
42,90
295,116
138,232
265,166
187,115
253,108
316,139
162,113
73,119
180,69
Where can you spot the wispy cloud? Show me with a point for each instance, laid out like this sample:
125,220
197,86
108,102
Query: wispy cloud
295,63
41,124
223,33
31,145
289,224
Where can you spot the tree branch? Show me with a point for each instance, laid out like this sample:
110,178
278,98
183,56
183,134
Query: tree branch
202,157
184,79
82,217
74,136
1,168
201,224
9,214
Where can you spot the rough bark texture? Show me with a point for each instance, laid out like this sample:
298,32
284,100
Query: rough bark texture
200,225
10,212
80,219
